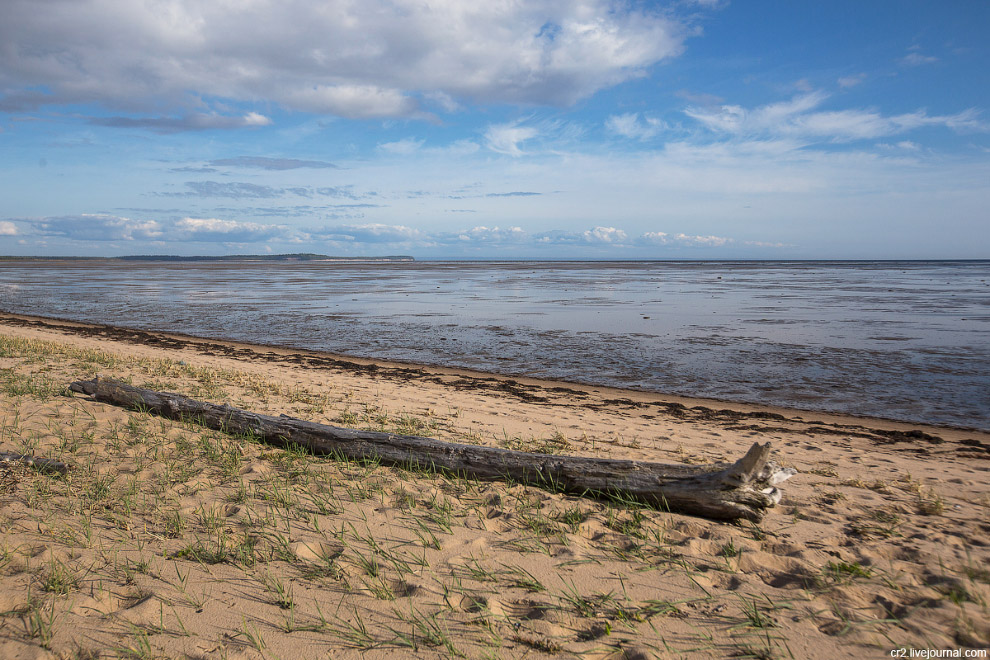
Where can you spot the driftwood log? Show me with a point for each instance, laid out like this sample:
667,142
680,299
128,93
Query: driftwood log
744,489
41,464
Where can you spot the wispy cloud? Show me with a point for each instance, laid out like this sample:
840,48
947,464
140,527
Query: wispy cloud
847,82
189,169
801,118
276,164
326,211
630,125
403,147
231,190
242,190
506,138
699,98
917,59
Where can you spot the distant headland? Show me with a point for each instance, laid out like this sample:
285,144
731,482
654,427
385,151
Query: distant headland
299,256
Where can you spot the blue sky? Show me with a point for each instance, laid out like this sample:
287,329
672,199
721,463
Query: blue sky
504,129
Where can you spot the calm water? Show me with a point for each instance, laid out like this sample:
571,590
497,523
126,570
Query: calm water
904,340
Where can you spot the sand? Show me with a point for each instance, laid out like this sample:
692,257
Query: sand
169,540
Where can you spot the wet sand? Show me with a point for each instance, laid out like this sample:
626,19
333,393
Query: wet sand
168,538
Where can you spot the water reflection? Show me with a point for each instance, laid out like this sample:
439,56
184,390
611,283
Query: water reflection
905,340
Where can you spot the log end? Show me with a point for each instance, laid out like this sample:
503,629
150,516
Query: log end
85,386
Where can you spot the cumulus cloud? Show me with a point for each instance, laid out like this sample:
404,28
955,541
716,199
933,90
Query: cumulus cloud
98,227
368,233
594,236
487,235
631,126
800,118
605,235
103,227
228,231
684,240
600,237
353,59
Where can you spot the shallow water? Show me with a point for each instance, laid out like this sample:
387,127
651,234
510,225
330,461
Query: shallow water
903,340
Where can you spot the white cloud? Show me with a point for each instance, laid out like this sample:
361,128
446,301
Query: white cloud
266,163
767,244
663,238
230,231
444,100
456,148
368,233
605,235
375,58
851,81
903,145
706,241
505,138
656,237
353,101
8,228
192,122
102,227
98,227
798,118
489,235
629,125
917,59
403,147
594,236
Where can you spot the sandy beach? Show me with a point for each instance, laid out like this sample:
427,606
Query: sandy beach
166,539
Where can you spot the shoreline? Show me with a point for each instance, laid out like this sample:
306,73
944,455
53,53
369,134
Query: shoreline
524,387
168,539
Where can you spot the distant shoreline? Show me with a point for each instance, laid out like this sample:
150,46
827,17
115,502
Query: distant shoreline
324,258
229,257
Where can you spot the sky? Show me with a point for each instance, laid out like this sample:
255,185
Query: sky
505,129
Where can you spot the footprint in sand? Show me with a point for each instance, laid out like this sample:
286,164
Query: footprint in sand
315,551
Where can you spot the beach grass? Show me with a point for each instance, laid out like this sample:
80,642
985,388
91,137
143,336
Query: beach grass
166,538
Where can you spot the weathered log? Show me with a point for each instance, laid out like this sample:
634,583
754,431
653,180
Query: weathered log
41,464
744,489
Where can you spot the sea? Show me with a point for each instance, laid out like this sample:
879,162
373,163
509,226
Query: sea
903,340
